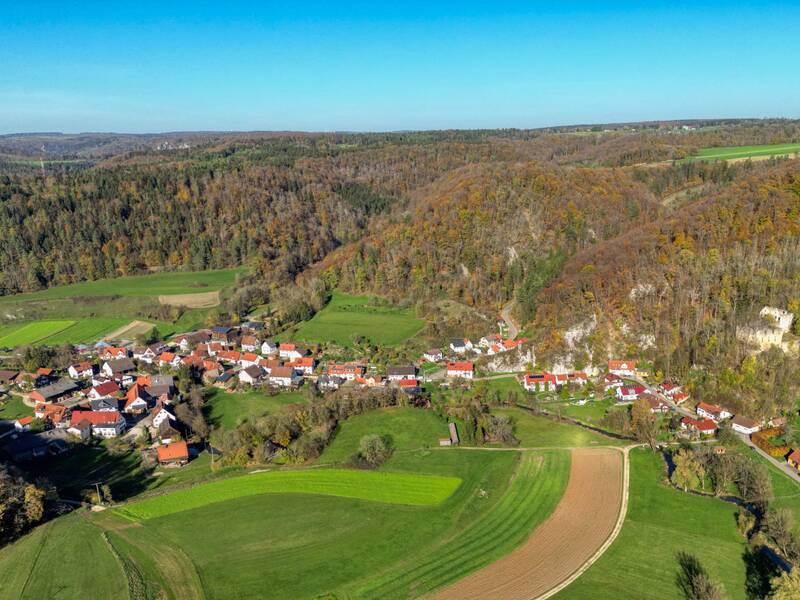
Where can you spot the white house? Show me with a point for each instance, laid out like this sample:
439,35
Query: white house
433,355
103,390
249,343
269,347
81,370
400,373
464,370
346,372
461,346
249,359
744,425
487,340
289,351
712,411
539,382
161,414
23,424
250,374
622,368
283,377
629,393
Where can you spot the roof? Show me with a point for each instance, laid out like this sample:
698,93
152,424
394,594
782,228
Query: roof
46,371
135,392
59,388
106,389
402,370
794,457
287,346
166,356
249,340
6,375
711,408
460,366
253,371
95,417
173,451
25,420
121,365
457,343
409,383
282,372
221,329
743,421
250,357
625,365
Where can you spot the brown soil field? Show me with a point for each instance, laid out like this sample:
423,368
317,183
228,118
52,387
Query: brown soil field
201,300
585,518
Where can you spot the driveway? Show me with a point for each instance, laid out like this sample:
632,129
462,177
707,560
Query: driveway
782,465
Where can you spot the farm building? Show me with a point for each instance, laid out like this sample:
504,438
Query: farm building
54,391
622,368
712,411
464,370
398,373
794,459
744,425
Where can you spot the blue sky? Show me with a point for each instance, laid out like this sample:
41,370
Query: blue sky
168,66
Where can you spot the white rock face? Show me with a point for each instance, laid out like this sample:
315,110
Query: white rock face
641,290
782,319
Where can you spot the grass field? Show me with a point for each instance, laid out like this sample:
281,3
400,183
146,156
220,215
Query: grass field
389,488
409,429
228,409
155,284
13,408
742,152
347,316
422,520
661,521
539,432
19,334
56,332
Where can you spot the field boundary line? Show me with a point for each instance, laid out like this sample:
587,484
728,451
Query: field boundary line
45,535
623,511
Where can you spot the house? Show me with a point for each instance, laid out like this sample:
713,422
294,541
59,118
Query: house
23,424
52,413
409,386
249,343
373,380
118,368
629,393
187,340
794,459
169,359
176,453
223,334
329,382
680,397
283,377
745,425
136,400
7,376
249,359
461,346
399,373
539,382
304,364
160,385
712,411
149,354
229,356
348,372
105,424
102,390
702,426
612,382
251,374
269,347
490,339
111,353
623,368
269,363
291,351
657,405
82,430
464,370
81,370
167,432
578,378
104,403
54,391
433,355
159,414
253,325
669,388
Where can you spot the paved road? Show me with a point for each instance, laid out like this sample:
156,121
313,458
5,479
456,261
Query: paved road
513,329
653,390
782,465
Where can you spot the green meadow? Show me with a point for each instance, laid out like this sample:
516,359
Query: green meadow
740,152
228,409
534,431
422,520
347,316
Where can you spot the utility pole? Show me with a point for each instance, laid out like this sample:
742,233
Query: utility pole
97,487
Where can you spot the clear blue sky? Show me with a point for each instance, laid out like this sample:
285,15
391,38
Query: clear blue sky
166,66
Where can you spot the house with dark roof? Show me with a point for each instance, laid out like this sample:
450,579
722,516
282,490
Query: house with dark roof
398,373
54,391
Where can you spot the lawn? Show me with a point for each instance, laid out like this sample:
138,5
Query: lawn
85,331
228,409
408,428
347,316
12,408
733,152
86,569
661,521
541,432
155,284
20,334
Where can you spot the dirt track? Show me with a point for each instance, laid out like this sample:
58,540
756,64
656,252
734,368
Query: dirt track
581,523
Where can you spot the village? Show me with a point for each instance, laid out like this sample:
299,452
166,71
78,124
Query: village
124,389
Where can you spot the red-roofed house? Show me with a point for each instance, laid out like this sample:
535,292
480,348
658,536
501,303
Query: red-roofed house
81,370
462,369
539,382
612,381
250,343
230,356
105,423
703,426
304,364
249,359
794,459
169,359
623,368
629,393
136,400
348,372
23,423
103,390
290,351
111,352
176,453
